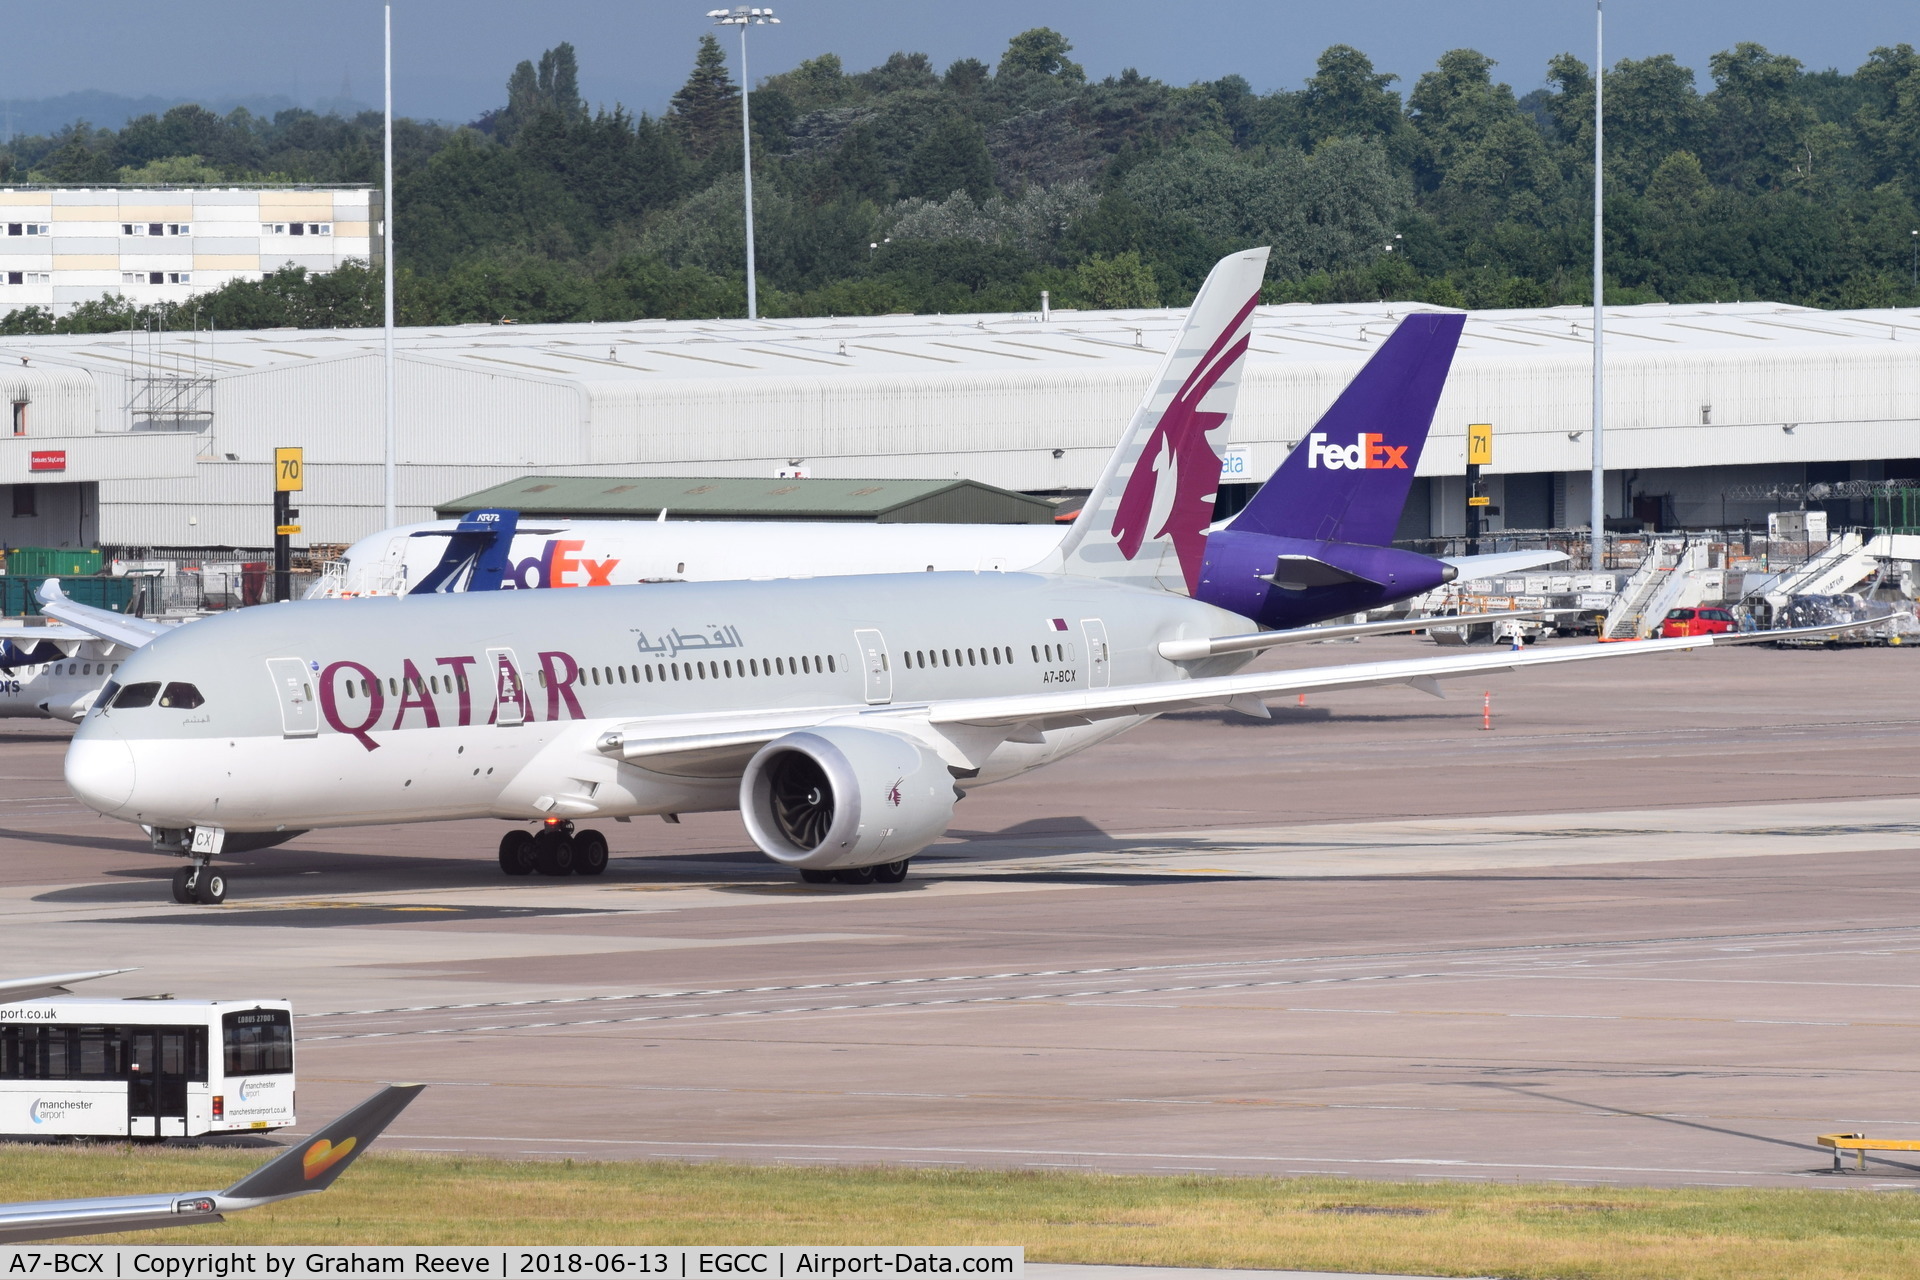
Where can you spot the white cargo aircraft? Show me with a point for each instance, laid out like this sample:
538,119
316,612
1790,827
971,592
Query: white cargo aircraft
842,716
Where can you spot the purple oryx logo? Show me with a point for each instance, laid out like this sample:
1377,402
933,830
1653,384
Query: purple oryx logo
1170,493
893,792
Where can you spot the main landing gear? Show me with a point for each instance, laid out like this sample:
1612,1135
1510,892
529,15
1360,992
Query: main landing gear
885,873
199,883
554,850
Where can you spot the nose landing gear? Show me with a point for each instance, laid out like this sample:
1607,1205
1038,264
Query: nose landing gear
555,850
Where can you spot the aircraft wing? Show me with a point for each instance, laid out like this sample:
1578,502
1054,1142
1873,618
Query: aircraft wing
1500,562
305,1167
1246,691
708,748
52,984
103,624
18,630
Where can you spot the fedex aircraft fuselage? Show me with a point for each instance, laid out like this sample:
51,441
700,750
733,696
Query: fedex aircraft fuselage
601,553
338,713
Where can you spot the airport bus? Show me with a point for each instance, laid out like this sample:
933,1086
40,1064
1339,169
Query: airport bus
91,1068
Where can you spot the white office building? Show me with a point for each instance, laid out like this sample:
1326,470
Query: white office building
62,246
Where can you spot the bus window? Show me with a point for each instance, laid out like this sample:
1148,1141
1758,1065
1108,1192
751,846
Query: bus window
258,1042
100,1056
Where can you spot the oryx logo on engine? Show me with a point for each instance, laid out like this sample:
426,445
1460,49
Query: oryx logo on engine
1368,452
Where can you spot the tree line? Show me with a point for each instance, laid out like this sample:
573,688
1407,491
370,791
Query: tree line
973,188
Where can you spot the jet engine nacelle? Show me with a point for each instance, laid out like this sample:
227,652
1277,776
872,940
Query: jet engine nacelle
837,797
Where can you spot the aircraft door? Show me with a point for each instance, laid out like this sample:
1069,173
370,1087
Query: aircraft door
875,665
158,1065
293,684
1099,665
509,688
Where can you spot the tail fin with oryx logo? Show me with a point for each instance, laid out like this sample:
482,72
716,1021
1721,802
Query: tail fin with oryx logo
1145,522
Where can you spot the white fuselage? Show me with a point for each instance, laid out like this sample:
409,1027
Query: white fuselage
583,553
349,712
59,690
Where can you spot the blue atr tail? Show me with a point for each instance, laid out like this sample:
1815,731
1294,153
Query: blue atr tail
1348,480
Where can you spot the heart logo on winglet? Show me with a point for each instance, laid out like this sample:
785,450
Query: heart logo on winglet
323,1155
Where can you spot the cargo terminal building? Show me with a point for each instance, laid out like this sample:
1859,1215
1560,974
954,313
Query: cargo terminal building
166,441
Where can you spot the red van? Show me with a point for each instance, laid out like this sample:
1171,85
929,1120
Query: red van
1696,622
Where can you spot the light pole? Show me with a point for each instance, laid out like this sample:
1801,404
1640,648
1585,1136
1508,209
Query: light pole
743,17
389,472
1597,502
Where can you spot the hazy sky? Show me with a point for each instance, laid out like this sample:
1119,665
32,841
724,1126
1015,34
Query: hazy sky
452,58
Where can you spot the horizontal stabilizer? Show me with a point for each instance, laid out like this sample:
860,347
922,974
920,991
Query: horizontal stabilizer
1298,573
1499,562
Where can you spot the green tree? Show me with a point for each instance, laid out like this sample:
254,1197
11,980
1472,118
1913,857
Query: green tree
1041,51
1889,127
1756,122
953,158
706,109
1109,284
1346,97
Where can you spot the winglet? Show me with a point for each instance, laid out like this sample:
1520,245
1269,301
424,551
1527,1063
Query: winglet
313,1164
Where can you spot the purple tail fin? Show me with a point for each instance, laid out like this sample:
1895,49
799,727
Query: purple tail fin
1348,480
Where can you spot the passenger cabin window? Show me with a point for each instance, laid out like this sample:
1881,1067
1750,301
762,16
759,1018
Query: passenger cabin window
180,695
258,1042
137,695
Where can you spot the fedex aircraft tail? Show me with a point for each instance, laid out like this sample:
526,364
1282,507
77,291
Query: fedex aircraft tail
1348,480
1145,521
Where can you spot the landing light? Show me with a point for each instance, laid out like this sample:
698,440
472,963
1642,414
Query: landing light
552,822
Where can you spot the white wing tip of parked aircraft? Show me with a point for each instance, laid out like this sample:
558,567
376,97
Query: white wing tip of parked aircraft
52,984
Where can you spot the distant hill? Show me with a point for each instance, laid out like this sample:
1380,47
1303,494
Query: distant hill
25,117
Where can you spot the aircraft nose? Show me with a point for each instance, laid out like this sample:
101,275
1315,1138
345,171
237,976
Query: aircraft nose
100,771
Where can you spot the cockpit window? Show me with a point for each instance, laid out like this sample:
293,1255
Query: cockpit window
106,695
181,695
135,695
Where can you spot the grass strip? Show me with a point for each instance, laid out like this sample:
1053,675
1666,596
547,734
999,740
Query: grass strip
1553,1232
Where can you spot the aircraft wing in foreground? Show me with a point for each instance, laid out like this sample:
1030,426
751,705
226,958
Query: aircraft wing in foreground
121,629
308,1166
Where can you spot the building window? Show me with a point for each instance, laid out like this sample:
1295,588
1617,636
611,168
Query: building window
23,503
133,228
39,277
28,229
319,228
273,228
179,228
156,228
156,277
20,417
179,277
16,277
297,229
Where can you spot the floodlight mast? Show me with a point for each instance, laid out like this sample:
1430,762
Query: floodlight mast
1597,502
742,16
386,236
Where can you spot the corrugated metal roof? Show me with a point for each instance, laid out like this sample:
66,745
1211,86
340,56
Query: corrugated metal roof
736,498
642,351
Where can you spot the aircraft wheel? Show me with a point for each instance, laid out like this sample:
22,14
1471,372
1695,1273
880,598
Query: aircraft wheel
516,852
553,853
810,876
182,892
211,888
891,872
854,875
589,853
